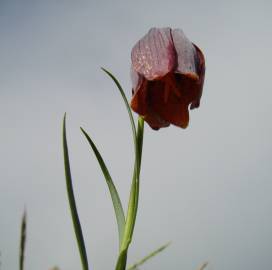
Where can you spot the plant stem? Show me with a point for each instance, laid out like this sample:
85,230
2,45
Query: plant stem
133,199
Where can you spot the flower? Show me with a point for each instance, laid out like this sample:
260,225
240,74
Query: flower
167,76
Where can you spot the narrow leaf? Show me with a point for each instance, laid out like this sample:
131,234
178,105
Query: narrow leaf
72,203
119,212
134,192
203,266
149,256
22,241
126,103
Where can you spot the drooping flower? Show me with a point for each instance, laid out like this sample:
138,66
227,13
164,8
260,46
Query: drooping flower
167,73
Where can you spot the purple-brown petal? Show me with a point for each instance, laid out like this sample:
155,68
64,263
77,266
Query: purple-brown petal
154,55
201,74
136,79
186,55
142,104
167,77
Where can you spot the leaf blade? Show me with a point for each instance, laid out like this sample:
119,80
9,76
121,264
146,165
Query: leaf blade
117,205
203,266
72,203
149,256
133,127
22,242
134,191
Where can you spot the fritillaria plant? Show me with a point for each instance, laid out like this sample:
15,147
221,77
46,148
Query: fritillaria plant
167,77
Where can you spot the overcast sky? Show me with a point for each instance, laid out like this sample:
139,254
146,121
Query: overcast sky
207,188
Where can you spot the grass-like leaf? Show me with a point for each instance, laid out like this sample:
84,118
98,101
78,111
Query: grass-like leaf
134,191
149,256
22,242
72,203
119,212
203,266
126,103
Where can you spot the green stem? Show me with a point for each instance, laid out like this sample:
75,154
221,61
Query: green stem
134,198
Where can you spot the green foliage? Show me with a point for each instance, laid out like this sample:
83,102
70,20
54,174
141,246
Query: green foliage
203,266
72,203
117,205
149,256
22,242
134,191
125,225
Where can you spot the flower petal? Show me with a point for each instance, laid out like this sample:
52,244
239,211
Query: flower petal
155,121
139,102
201,74
142,105
136,80
167,77
174,110
154,55
186,54
149,101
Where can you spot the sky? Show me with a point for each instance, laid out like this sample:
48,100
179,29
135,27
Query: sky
207,188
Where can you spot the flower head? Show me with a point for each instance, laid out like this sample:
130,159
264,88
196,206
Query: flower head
167,75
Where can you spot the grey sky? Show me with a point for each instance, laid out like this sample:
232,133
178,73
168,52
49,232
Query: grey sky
206,188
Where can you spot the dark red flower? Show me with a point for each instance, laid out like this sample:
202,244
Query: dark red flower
167,75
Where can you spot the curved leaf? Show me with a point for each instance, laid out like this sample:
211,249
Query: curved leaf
134,192
126,103
119,212
72,202
149,256
22,242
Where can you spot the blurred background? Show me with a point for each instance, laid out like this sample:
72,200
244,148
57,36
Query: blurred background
207,188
